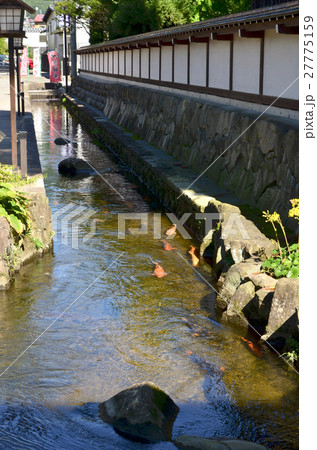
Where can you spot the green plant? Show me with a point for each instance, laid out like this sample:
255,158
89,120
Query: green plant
7,175
292,350
38,244
14,207
284,264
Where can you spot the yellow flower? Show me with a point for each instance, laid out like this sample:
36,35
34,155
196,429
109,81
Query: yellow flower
275,217
294,211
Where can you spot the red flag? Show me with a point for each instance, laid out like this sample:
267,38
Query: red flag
55,71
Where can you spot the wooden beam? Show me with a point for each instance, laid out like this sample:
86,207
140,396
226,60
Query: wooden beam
181,41
154,44
261,67
231,67
167,43
259,34
221,37
284,29
204,39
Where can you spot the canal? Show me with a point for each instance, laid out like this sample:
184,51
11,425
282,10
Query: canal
109,323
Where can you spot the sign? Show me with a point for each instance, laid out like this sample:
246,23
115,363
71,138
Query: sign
55,71
24,63
36,63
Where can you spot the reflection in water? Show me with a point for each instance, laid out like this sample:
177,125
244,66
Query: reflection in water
127,326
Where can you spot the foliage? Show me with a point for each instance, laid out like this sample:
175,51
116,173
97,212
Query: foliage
110,19
42,5
284,262
95,12
3,46
196,10
292,350
7,175
286,265
14,207
38,244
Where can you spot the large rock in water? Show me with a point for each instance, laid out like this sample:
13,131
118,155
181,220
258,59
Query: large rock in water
75,166
142,412
61,141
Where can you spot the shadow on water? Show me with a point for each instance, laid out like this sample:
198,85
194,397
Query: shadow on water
126,325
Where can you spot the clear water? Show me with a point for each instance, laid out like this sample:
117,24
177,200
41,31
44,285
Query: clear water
123,326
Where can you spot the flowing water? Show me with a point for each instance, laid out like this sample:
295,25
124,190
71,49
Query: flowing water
123,325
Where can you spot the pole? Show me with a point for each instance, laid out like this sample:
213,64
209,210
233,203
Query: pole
73,47
12,106
18,79
22,97
65,54
23,152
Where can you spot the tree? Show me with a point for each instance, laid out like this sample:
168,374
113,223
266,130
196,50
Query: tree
91,14
3,46
111,19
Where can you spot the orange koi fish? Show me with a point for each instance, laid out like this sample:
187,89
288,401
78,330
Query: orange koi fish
166,246
252,347
171,230
194,258
159,271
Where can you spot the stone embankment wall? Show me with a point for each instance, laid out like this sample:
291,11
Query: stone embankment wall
13,256
255,158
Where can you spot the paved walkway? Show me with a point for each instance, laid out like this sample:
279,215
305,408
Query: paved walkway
24,123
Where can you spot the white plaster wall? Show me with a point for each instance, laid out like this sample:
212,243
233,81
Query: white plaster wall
110,62
280,64
32,39
128,62
121,62
167,61
103,58
197,75
145,62
219,64
246,64
97,62
100,62
181,63
136,63
116,59
106,62
155,63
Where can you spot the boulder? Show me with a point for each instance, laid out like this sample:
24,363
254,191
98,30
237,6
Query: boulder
235,276
61,141
240,303
197,443
283,317
142,412
75,166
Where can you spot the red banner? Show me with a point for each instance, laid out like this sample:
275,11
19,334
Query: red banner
55,71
